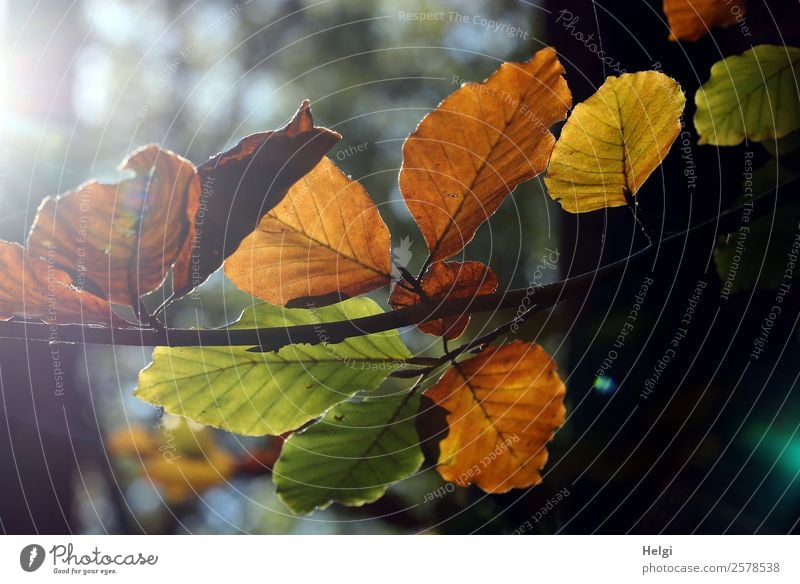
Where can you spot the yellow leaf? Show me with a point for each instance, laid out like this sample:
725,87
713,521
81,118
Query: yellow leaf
478,145
503,407
32,287
120,239
325,241
614,140
691,19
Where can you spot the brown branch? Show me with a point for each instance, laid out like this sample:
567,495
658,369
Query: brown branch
269,339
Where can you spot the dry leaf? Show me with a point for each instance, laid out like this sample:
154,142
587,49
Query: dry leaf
444,280
478,145
690,20
324,242
614,140
503,407
119,240
33,287
239,186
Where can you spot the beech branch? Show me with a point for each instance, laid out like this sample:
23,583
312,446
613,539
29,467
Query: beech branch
532,300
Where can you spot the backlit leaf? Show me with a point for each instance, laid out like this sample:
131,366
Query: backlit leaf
691,19
478,145
503,407
32,287
614,140
239,186
753,95
442,281
350,456
120,239
181,458
273,392
325,241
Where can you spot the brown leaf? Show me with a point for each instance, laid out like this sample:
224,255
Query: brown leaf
690,20
503,408
478,145
119,240
34,288
239,186
324,241
444,280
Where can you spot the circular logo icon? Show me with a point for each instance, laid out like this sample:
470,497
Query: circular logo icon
31,557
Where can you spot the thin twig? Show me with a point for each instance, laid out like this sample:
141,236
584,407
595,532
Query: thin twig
273,338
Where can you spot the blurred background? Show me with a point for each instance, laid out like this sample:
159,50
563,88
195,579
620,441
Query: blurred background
713,448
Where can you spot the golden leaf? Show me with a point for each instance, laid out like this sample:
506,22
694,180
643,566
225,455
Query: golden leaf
239,186
478,145
325,241
504,406
614,140
445,280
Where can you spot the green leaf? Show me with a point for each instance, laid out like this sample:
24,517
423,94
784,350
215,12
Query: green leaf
274,392
752,95
756,254
352,455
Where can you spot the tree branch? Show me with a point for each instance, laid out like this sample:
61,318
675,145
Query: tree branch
270,339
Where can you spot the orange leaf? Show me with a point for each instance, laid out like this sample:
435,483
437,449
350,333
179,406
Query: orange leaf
239,186
326,240
119,239
34,288
445,280
478,145
503,408
690,20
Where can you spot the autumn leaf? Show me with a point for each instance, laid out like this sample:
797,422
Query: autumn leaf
690,20
614,140
119,239
751,96
503,407
325,241
34,288
442,281
239,186
478,145
181,458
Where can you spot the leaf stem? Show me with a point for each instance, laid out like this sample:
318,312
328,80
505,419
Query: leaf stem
273,338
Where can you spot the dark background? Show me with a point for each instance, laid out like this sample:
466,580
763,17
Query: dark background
714,449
